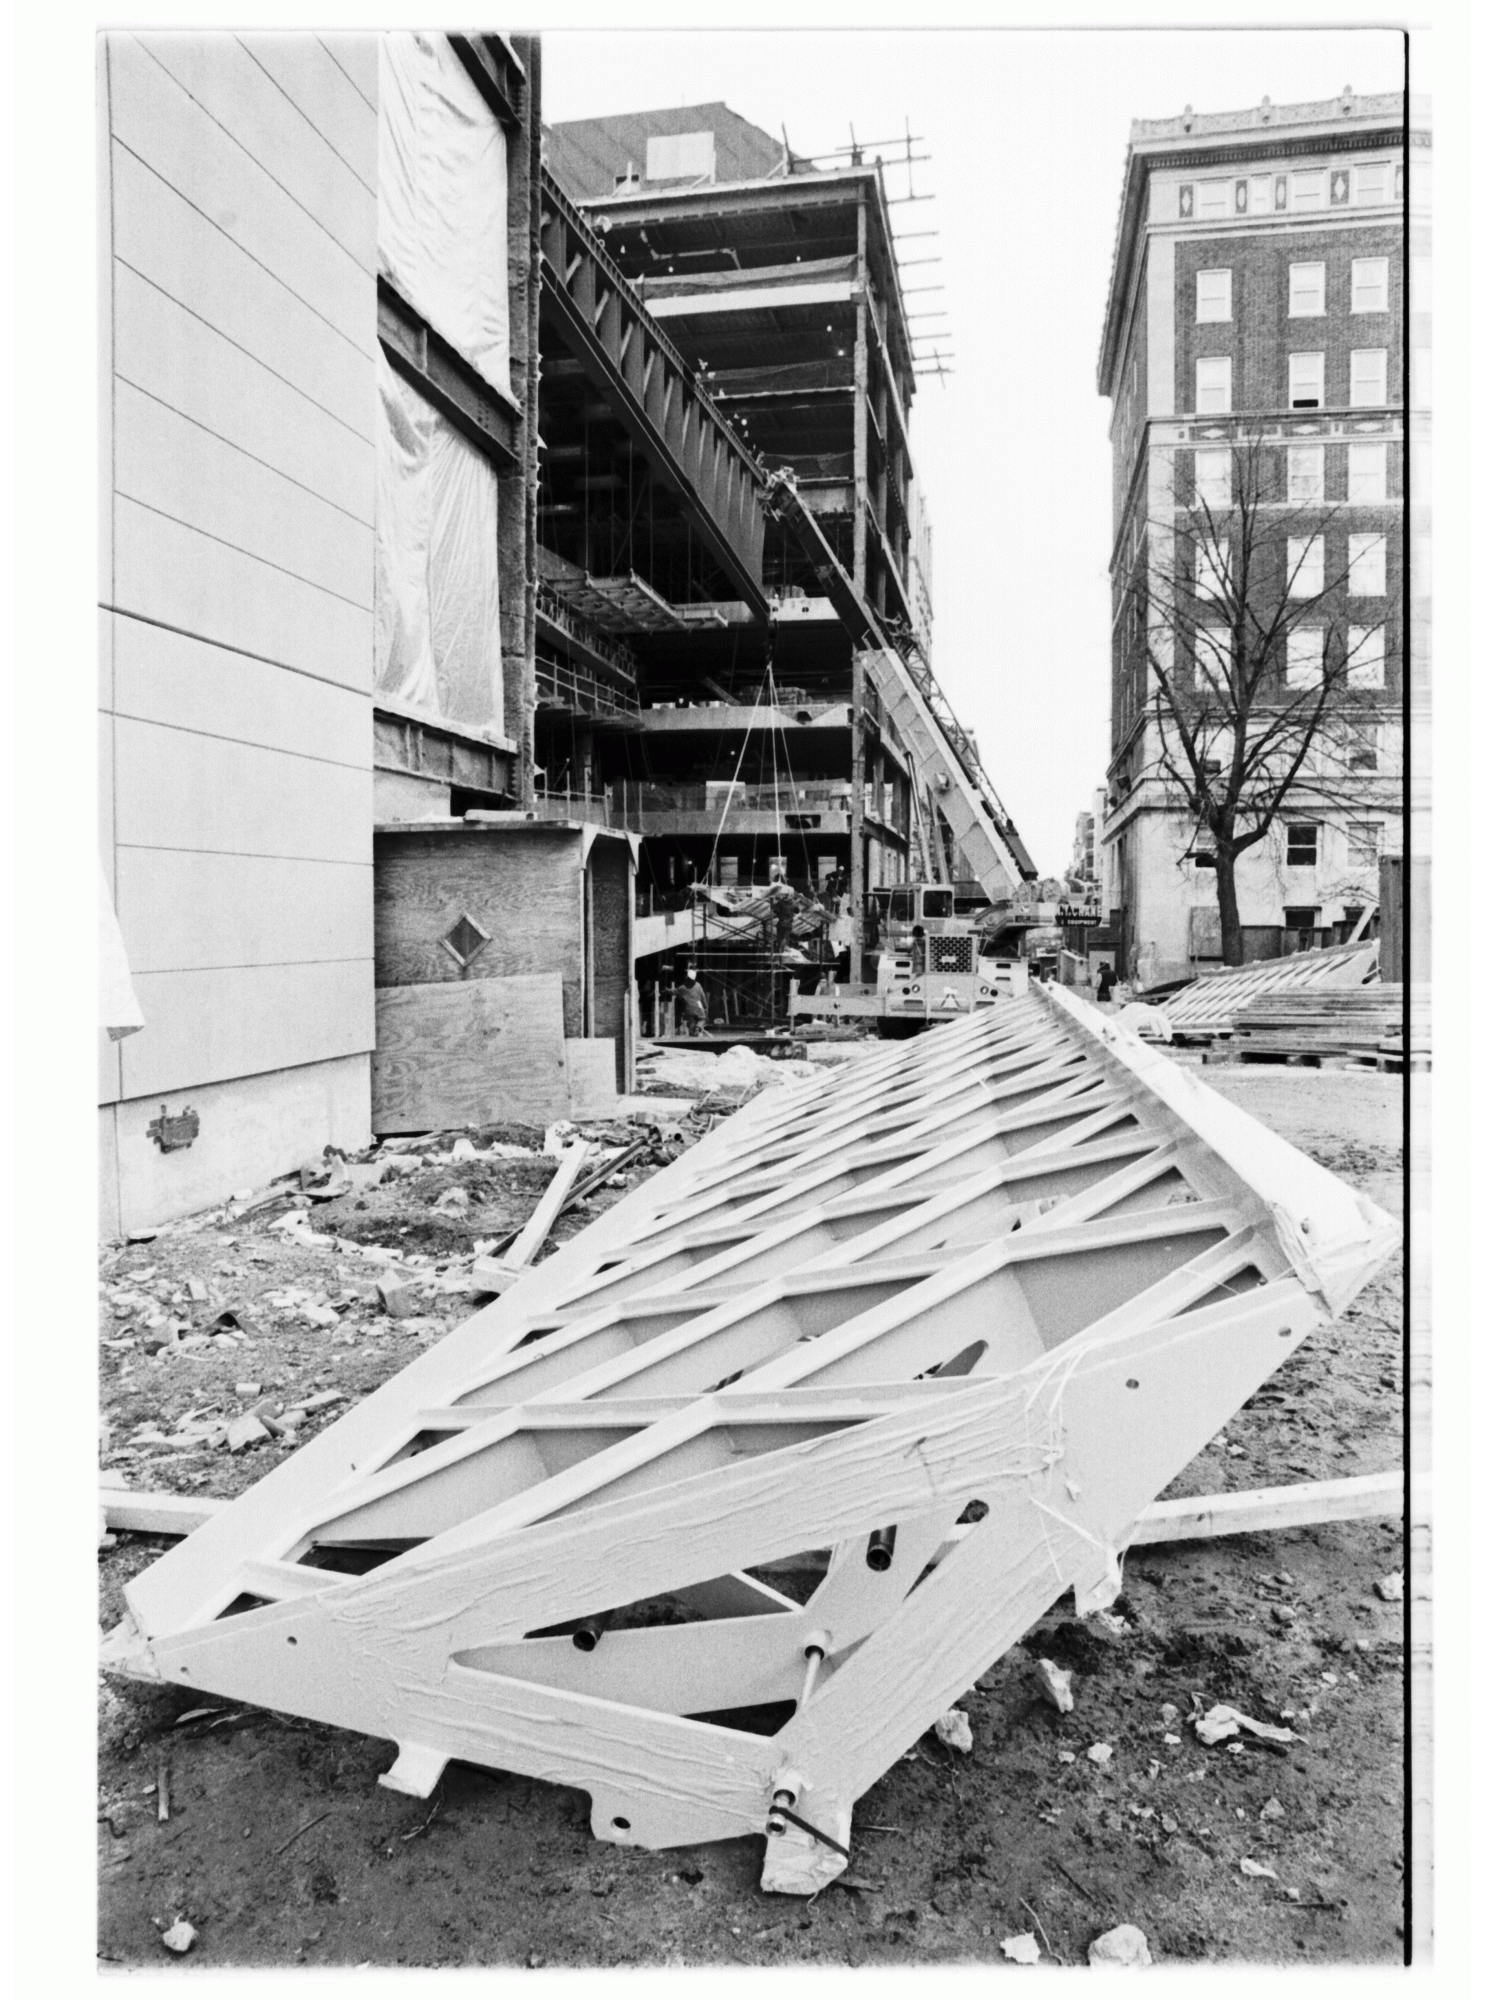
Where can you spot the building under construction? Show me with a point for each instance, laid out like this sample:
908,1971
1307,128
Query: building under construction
464,486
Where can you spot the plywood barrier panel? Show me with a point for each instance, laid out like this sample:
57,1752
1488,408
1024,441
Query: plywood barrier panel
591,1074
472,1052
524,891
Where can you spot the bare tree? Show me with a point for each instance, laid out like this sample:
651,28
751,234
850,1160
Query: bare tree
1266,673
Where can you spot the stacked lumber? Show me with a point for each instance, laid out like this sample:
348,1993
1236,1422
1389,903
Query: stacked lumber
1206,1007
1390,1051
1319,1021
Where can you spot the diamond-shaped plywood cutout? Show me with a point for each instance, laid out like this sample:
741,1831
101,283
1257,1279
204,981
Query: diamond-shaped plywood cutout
465,940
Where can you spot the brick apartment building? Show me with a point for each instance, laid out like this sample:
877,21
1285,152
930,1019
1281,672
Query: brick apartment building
1257,305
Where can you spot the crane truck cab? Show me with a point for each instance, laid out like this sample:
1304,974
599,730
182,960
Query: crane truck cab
927,961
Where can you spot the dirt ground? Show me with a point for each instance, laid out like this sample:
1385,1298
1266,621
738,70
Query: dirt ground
280,1849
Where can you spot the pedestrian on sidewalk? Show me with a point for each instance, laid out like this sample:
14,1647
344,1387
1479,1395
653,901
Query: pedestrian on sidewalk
1106,980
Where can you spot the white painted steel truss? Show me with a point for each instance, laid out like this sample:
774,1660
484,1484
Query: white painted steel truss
1009,1278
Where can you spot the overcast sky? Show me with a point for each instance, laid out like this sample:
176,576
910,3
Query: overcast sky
1027,134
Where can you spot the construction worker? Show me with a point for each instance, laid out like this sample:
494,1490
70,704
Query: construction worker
692,1004
920,952
784,908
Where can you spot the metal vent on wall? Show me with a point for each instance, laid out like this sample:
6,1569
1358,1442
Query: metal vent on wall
465,940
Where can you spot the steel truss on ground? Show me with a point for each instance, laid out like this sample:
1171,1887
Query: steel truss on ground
956,1312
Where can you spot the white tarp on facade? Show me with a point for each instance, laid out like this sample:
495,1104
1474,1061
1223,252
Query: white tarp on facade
120,1010
437,647
443,199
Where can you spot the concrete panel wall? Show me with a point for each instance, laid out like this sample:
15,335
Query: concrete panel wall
249,1130
237,454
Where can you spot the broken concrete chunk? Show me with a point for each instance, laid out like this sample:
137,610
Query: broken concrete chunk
178,1937
400,1299
1022,1949
1221,1722
1099,1753
1056,1684
199,1291
1249,1867
248,1388
245,1430
954,1730
1391,1589
1272,1809
1126,1945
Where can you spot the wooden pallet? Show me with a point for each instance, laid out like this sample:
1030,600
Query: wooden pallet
1007,1278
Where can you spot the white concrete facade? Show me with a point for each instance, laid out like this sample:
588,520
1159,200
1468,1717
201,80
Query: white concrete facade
238,210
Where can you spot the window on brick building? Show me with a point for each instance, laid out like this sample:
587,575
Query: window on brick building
1211,569
1214,295
1371,181
1366,565
1303,658
1364,843
1370,292
1261,194
1303,474
1309,190
1214,478
1366,378
1308,291
1366,656
1212,652
1366,473
1214,385
1305,555
1301,845
1214,199
1305,386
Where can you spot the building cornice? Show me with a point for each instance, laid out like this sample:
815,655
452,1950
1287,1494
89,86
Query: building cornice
1338,125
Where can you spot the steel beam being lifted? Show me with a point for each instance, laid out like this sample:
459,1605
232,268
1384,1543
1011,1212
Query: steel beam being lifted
1005,1280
